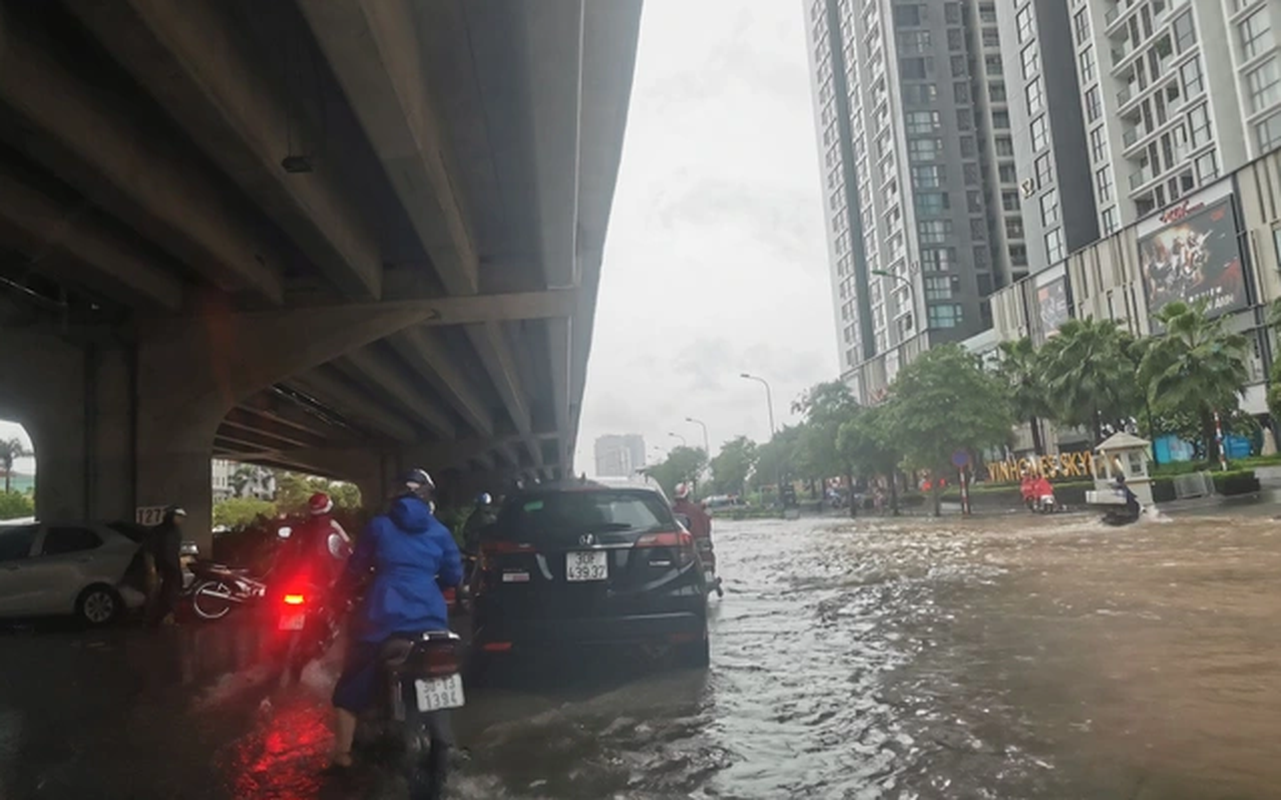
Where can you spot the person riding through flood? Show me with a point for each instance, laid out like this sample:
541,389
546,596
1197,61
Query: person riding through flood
412,557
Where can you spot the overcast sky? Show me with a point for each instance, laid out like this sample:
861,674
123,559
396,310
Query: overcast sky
715,263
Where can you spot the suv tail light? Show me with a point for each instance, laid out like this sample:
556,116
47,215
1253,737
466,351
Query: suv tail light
500,548
680,542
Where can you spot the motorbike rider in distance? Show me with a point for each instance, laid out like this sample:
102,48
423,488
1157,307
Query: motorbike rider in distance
319,543
483,515
411,556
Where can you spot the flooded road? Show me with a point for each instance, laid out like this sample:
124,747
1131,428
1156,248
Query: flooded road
1010,657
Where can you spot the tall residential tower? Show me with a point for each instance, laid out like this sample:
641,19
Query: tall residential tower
919,171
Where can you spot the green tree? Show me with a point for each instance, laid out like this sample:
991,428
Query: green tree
10,451
1021,370
776,459
942,403
732,465
240,512
825,407
14,505
1197,368
1089,375
865,443
682,465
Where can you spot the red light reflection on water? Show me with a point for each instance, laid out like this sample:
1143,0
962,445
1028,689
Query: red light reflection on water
282,757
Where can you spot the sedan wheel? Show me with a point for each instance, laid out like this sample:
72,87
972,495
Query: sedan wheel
99,606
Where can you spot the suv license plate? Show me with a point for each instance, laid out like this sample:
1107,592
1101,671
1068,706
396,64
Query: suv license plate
438,694
590,565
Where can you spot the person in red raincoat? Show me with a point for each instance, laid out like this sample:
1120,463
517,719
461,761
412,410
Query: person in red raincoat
700,526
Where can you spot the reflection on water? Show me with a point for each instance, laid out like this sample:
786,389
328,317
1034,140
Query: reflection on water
1019,657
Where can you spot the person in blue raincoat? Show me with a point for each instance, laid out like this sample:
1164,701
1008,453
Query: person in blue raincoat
412,556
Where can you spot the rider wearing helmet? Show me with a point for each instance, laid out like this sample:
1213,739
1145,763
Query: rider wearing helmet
483,515
411,557
319,543
700,524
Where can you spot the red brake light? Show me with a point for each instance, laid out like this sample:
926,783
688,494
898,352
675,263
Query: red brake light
294,599
500,546
681,541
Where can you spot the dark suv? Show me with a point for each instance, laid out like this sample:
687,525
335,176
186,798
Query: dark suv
584,563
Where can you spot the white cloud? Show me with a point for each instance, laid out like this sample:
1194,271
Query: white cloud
716,260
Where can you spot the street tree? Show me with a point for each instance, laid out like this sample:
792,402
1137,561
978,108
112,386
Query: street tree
824,407
733,464
10,451
1020,368
682,465
776,459
944,403
1196,368
865,443
1089,375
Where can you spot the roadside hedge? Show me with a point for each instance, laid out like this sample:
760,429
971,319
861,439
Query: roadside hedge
14,505
1234,482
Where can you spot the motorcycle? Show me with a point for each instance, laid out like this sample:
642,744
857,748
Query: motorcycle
310,623
423,685
215,588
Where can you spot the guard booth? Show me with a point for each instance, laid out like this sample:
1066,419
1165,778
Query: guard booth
1121,454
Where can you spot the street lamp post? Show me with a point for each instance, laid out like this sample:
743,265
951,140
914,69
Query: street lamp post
707,442
911,289
769,398
675,435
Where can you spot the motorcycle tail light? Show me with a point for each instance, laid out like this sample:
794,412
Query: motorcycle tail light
295,599
439,660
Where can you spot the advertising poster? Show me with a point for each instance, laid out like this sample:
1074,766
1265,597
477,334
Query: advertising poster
1191,252
1052,304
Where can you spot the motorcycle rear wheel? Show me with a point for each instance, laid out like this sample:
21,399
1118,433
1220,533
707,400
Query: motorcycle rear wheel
426,761
207,602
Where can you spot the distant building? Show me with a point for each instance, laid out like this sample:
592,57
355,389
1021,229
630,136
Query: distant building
233,479
619,456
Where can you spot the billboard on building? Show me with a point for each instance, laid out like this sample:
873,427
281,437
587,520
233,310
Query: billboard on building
1191,252
1052,305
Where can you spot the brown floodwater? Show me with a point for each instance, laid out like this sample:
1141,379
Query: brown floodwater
1002,657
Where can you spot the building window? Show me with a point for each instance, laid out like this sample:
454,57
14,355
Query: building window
1191,74
1049,207
1086,60
1264,84
1001,120
907,16
987,13
1199,125
945,316
981,260
952,13
1269,133
971,172
930,176
1040,133
1093,108
922,121
960,66
991,37
924,149
1007,173
974,201
1004,146
1184,33
1054,246
1023,19
914,69
938,259
967,147
1098,145
961,93
1031,61
1207,168
1256,34
978,229
1035,97
1010,201
919,94
1109,221
932,203
1103,180
1044,177
938,287
934,231
996,91
955,39
1013,227
1081,24
1018,255
914,41
992,64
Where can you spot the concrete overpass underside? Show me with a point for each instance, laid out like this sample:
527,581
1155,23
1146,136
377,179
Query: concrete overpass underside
342,236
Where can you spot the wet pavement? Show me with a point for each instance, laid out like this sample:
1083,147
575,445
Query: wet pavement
1011,657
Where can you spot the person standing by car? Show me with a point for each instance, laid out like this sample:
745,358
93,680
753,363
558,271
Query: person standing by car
165,547
411,556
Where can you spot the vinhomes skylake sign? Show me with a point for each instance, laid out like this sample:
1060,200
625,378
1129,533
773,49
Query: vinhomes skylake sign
1064,465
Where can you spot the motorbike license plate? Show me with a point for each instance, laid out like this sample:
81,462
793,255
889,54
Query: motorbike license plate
292,622
589,565
438,694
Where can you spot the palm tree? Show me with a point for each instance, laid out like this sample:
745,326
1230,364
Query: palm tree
10,451
1021,368
1196,367
1089,375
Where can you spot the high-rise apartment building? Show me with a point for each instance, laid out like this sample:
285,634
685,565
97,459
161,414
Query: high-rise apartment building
1047,132
1173,93
918,162
619,456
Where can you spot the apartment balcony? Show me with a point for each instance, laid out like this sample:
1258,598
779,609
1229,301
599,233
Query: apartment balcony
1141,176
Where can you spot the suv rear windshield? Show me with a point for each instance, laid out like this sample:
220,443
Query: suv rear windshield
581,512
